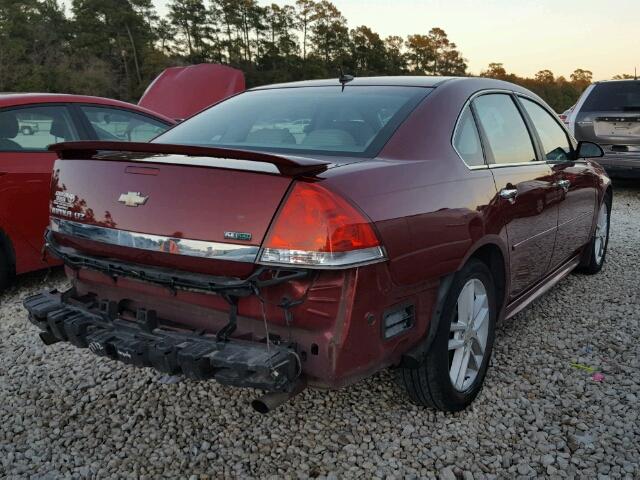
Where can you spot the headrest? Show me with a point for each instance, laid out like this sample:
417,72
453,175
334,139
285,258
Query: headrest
271,136
329,138
8,125
59,128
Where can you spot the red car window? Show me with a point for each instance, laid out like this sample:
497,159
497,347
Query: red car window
35,128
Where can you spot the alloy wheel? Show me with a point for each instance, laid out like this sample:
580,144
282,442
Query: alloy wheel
602,230
468,335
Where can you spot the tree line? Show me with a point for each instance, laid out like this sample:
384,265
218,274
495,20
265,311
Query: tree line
115,48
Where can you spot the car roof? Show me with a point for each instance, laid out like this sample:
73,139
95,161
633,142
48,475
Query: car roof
406,81
478,83
10,99
620,80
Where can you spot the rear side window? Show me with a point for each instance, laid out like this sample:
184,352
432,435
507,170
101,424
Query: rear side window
326,120
115,124
613,97
554,140
504,127
467,141
35,128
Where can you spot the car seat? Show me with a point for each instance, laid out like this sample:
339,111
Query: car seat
9,128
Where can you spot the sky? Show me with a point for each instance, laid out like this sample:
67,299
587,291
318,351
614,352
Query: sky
525,35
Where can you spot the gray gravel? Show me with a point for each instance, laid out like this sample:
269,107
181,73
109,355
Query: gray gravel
67,413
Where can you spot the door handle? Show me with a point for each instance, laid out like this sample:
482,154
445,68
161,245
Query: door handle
564,184
508,193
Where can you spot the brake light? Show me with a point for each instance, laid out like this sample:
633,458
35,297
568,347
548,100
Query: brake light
317,228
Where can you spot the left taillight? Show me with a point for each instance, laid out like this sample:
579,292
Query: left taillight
317,228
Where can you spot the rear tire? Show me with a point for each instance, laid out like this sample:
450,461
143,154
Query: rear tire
596,250
5,271
438,382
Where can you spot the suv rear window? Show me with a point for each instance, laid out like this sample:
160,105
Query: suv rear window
614,96
326,120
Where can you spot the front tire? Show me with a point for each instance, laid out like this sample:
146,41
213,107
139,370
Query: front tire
453,371
597,248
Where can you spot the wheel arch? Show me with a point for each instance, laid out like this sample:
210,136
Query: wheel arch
490,251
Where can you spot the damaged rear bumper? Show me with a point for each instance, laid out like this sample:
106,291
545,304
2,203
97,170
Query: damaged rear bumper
144,342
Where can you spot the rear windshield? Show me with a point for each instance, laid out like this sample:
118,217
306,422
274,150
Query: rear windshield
326,120
614,96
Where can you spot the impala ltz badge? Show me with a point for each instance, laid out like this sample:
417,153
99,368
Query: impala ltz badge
133,199
237,236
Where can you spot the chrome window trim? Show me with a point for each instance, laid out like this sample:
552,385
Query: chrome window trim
145,241
453,136
489,166
555,117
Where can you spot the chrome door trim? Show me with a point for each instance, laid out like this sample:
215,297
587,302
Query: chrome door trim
154,243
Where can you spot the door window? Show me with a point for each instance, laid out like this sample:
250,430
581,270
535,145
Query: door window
35,128
504,127
467,141
118,125
554,140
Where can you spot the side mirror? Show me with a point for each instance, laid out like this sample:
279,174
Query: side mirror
589,150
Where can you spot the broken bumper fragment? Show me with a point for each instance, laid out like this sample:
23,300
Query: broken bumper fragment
146,343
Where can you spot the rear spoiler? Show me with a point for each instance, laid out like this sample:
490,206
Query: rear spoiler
290,166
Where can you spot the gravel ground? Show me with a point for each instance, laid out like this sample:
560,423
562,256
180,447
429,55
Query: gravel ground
67,413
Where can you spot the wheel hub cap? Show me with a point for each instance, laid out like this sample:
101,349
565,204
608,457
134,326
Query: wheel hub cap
468,334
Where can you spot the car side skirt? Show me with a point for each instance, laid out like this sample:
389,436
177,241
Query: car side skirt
542,287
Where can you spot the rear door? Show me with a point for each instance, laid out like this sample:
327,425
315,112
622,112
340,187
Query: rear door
575,180
527,197
25,174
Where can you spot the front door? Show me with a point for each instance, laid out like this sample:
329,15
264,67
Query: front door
25,175
575,180
527,195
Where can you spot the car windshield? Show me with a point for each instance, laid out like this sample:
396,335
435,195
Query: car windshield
614,96
356,121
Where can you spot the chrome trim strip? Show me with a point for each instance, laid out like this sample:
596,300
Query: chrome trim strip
322,260
516,164
455,126
156,243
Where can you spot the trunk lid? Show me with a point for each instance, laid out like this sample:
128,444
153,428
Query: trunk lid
180,92
191,208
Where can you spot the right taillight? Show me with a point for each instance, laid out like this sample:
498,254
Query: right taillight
317,228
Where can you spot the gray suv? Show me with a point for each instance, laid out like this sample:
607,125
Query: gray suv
608,113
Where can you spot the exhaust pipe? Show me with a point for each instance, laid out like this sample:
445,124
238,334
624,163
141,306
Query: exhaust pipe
273,400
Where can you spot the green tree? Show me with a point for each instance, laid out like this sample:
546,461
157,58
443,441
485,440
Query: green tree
495,70
189,19
420,53
368,53
117,33
396,60
329,33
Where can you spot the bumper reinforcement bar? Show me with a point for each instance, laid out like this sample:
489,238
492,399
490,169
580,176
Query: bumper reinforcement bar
233,362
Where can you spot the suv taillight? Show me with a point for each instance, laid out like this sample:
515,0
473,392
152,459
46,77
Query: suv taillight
317,228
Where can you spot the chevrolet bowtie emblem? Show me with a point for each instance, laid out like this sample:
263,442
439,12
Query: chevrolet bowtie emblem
133,199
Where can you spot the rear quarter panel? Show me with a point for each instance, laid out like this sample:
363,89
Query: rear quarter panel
430,209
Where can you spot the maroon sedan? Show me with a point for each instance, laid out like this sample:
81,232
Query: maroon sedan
317,232
29,123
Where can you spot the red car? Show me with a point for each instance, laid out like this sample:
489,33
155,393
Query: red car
317,232
29,123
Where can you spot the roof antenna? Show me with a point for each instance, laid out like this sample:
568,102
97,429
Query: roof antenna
344,79
635,73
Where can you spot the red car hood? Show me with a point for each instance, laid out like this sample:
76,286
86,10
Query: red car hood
180,92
